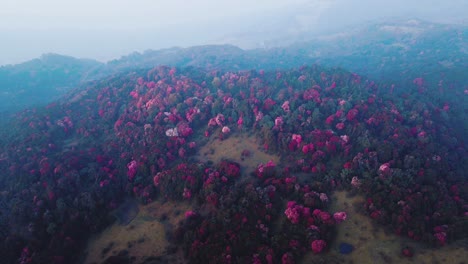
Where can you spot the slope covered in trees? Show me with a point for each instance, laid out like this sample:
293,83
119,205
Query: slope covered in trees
67,165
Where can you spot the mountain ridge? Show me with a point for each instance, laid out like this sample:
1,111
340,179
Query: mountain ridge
378,50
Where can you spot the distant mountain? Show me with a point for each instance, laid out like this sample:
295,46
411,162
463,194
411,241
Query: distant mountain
208,56
385,49
377,50
390,51
43,79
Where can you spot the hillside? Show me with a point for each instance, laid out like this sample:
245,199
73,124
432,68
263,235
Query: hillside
67,166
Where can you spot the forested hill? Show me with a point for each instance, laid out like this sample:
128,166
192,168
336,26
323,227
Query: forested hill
66,166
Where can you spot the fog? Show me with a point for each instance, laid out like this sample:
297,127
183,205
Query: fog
108,29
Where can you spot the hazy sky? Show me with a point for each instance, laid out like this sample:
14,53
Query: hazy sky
107,29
